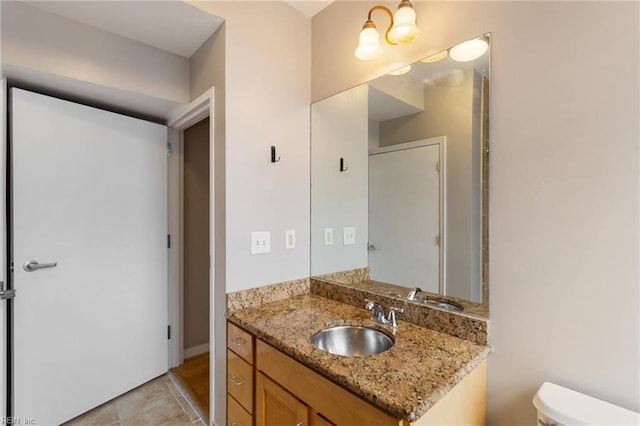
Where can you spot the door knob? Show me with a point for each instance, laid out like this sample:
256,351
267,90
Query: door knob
33,265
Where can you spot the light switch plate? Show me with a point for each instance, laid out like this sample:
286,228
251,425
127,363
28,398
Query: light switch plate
349,236
328,236
260,242
290,239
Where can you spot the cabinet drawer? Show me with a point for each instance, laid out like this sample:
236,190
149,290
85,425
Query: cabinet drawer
240,380
240,342
236,415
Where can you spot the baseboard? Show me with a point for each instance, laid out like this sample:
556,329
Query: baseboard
196,350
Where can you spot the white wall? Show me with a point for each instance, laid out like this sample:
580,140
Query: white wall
267,90
340,199
564,183
39,41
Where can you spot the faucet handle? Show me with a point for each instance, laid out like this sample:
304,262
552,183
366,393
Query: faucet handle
392,315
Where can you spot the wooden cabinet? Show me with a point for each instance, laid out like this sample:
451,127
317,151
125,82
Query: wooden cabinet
236,415
240,342
276,406
240,377
332,404
318,419
286,392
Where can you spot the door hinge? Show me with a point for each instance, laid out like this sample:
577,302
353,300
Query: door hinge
168,240
168,332
169,150
437,240
438,167
6,294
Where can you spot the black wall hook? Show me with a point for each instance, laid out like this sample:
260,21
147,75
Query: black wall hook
273,155
342,167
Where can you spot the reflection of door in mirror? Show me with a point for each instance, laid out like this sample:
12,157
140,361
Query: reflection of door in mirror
404,215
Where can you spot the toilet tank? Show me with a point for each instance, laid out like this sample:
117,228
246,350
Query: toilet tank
558,406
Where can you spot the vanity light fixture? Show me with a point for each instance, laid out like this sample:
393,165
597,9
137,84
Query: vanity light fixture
436,57
469,50
401,30
401,71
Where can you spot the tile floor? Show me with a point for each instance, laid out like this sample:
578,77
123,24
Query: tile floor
157,403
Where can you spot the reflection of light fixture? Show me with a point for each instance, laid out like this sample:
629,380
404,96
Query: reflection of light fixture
469,50
401,71
401,30
435,57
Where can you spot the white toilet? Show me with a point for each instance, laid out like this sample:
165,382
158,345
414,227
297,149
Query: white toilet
561,406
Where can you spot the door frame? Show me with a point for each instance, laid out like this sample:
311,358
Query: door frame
4,384
442,142
201,108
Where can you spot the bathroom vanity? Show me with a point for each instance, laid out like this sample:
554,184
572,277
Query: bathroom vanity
275,376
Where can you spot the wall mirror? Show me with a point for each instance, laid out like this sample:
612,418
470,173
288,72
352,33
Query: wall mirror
399,167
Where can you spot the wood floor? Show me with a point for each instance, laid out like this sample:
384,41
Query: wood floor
194,377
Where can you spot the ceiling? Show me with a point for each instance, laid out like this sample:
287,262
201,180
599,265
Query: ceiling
154,23
309,7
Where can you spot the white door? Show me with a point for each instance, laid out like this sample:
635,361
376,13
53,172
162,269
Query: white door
89,192
404,217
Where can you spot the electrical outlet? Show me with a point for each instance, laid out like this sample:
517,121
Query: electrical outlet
349,236
328,236
260,242
290,239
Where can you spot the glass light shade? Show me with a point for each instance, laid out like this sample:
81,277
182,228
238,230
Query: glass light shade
436,57
469,50
404,28
369,46
401,71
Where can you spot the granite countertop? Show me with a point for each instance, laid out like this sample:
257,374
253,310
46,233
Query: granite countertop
406,380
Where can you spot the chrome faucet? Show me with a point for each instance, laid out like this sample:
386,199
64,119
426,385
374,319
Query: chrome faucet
377,313
412,294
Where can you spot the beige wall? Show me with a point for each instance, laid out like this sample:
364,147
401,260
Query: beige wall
267,90
207,69
449,111
564,183
259,64
196,234
37,41
340,199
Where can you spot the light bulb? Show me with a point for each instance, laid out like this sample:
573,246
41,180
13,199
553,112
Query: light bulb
404,28
369,46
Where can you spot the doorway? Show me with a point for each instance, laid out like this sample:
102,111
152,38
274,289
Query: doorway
193,373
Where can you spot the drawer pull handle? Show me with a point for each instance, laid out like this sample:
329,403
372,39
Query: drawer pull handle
300,423
234,424
236,381
238,341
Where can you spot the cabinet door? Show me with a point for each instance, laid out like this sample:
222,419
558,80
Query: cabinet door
277,407
318,419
